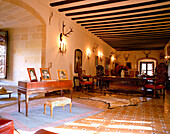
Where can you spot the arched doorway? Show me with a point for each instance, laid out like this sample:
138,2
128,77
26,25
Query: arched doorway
27,43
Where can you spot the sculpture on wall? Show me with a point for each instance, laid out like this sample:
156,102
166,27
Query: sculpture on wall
147,52
66,34
126,56
95,47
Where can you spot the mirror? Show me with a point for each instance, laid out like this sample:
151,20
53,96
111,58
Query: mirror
77,60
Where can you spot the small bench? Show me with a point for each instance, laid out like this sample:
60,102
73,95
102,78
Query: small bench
59,101
8,92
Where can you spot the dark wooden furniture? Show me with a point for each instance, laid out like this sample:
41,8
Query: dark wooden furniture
159,81
76,78
85,85
129,81
9,93
29,88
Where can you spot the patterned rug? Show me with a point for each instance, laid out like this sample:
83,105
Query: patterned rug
37,120
117,102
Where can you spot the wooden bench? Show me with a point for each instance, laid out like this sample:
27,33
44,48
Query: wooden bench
8,92
59,101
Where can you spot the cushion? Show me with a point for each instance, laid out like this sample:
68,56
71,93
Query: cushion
58,101
3,90
86,82
6,126
152,86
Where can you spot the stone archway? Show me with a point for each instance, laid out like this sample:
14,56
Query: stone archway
27,42
34,13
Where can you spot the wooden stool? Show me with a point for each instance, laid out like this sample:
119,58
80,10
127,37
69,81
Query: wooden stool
59,101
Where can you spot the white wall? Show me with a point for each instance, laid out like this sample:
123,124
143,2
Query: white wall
79,39
21,56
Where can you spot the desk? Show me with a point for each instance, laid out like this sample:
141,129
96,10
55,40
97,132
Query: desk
29,88
133,81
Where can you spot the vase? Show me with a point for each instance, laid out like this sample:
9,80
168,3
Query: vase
123,73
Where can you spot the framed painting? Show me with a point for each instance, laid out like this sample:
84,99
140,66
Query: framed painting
62,74
45,74
77,60
32,74
96,60
128,64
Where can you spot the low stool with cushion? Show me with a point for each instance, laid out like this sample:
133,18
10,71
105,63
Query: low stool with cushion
59,101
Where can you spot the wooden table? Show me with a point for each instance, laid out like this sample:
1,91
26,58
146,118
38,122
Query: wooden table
132,81
29,88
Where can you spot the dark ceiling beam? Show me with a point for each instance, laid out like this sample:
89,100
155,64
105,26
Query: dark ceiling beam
147,36
116,8
136,39
89,5
127,20
121,36
133,28
125,32
123,12
138,49
64,2
160,20
126,16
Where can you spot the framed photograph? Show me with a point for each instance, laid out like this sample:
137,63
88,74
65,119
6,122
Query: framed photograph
32,74
62,74
45,74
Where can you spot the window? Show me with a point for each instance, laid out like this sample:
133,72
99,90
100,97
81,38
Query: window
147,68
3,54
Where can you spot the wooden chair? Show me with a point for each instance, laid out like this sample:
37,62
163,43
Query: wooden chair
157,83
131,73
85,85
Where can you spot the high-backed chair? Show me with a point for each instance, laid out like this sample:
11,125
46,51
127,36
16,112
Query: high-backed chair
158,83
99,74
85,85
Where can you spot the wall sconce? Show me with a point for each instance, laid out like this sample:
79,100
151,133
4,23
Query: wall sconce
88,52
100,54
62,47
113,58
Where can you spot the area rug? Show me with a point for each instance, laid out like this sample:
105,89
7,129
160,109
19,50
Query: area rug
113,101
6,101
37,120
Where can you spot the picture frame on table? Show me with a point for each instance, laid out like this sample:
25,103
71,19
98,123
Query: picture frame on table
62,74
45,74
32,74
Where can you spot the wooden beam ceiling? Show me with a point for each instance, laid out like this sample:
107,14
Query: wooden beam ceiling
122,24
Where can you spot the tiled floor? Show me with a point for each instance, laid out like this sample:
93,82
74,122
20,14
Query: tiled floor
150,117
